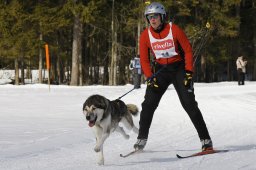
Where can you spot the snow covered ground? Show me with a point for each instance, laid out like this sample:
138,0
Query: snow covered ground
42,130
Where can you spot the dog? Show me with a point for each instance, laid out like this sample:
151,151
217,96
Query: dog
104,117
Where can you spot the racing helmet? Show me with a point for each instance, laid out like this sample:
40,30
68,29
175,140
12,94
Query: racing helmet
155,8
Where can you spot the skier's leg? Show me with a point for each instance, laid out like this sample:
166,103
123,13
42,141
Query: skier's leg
190,105
150,103
136,81
243,78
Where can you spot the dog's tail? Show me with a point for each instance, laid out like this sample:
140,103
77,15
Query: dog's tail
133,109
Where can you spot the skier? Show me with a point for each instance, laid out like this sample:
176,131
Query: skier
163,39
135,67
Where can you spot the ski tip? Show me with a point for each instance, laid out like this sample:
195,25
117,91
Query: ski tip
131,153
181,157
178,156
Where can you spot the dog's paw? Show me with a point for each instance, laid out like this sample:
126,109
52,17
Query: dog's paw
97,148
135,130
100,162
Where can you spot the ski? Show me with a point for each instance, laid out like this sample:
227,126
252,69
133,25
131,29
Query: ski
207,152
130,153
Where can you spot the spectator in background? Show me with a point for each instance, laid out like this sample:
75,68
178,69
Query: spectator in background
241,69
135,67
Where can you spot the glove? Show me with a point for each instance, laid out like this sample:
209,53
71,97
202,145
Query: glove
188,82
152,82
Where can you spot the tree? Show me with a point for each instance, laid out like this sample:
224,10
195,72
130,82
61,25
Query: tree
80,32
17,36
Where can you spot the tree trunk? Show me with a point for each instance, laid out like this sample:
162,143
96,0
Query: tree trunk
138,36
254,71
76,51
97,78
80,68
59,70
121,58
53,70
90,61
228,70
254,50
16,64
67,72
40,68
113,65
106,66
86,53
22,70
28,72
140,18
203,68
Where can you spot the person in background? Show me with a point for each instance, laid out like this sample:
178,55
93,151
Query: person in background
170,67
241,69
135,67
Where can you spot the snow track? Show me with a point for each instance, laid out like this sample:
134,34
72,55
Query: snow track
46,130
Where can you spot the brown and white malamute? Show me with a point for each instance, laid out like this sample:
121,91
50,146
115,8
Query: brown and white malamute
104,117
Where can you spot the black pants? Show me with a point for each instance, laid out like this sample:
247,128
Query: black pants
136,80
240,76
171,74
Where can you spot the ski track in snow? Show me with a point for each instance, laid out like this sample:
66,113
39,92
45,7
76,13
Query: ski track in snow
47,130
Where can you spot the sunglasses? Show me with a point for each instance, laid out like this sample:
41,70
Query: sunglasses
152,16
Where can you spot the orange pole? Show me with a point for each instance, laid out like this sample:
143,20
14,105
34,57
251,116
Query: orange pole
47,63
47,57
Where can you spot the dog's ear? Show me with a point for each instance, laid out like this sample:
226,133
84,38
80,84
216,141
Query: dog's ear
84,106
103,104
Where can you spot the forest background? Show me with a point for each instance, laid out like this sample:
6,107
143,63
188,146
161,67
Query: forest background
93,41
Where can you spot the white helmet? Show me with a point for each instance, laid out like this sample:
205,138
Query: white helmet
155,8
